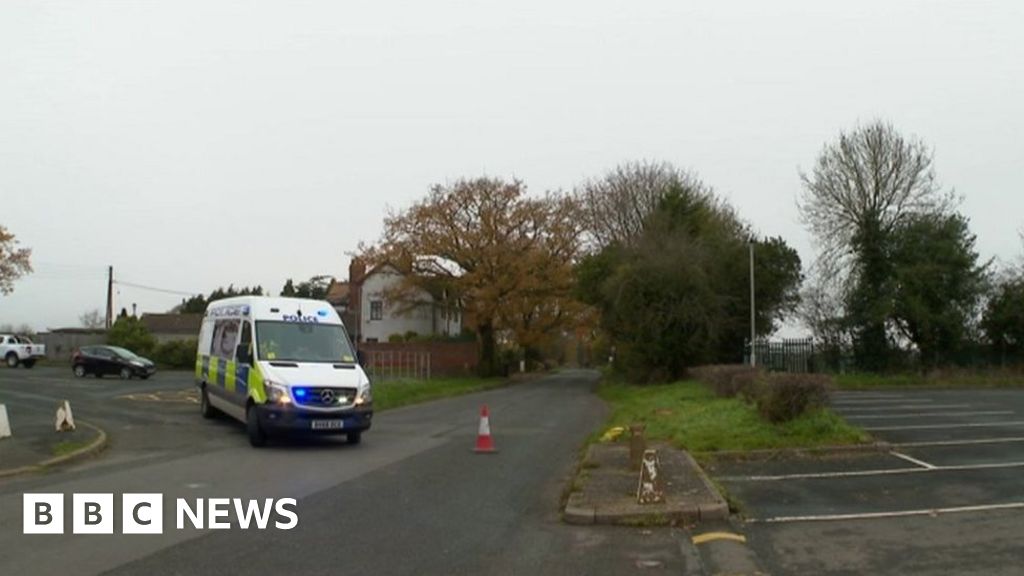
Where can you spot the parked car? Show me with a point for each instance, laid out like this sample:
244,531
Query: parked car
16,350
102,360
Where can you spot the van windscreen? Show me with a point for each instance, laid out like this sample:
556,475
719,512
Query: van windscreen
299,342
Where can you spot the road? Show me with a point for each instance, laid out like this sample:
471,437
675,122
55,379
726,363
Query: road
412,499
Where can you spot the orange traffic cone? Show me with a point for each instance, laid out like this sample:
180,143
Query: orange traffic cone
484,444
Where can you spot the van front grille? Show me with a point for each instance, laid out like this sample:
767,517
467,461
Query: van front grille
323,397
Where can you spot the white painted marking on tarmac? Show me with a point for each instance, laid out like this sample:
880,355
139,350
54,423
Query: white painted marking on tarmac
878,401
943,426
855,396
906,407
877,472
940,443
928,414
912,460
895,514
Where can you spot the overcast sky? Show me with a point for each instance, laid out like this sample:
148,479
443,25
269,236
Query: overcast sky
192,144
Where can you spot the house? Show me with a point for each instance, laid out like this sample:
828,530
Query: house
172,327
367,306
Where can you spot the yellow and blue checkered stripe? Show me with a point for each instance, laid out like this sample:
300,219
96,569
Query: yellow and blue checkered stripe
234,378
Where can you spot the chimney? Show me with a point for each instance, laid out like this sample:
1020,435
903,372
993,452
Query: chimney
356,271
356,275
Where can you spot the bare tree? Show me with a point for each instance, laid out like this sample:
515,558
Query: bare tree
866,183
14,261
616,206
92,319
864,186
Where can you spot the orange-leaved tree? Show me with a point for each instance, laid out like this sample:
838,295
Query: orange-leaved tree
506,256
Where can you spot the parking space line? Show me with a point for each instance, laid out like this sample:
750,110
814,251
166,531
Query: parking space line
941,426
867,396
895,514
928,414
912,460
876,472
937,443
878,401
908,407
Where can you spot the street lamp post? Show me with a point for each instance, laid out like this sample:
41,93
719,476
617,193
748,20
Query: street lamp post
753,332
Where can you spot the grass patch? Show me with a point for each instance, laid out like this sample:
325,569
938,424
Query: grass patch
65,447
941,379
690,416
396,393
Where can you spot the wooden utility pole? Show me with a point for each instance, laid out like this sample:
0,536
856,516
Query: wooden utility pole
110,296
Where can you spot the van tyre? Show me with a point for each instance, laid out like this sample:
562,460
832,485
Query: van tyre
12,360
205,408
79,371
354,437
126,374
257,437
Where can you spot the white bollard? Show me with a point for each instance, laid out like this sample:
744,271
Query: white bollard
5,424
65,420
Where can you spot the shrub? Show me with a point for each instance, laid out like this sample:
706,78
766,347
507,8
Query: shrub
396,338
128,332
783,397
176,354
728,380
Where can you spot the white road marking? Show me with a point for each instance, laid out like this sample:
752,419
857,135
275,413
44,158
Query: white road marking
906,407
857,396
896,514
877,401
877,472
912,460
939,443
942,426
927,414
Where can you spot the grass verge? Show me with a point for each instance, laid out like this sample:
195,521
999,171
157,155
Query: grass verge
68,446
942,379
690,416
396,393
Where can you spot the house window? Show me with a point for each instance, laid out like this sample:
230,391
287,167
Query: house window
376,310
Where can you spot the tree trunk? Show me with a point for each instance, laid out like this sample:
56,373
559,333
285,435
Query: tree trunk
488,365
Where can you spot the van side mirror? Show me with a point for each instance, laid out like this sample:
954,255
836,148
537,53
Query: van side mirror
361,357
242,354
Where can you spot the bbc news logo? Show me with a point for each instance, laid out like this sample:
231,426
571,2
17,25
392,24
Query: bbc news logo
144,513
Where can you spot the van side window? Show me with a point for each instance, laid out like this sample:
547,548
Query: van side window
225,338
246,339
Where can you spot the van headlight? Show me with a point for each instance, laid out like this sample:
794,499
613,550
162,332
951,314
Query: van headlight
365,396
276,393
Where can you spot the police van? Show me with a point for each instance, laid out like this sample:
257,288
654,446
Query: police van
281,365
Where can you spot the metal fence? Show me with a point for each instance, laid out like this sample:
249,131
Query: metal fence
397,364
789,355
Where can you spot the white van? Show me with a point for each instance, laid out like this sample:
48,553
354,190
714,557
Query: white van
281,365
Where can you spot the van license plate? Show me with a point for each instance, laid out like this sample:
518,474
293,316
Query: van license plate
328,424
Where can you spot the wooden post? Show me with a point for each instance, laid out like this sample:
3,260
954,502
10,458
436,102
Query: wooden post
637,444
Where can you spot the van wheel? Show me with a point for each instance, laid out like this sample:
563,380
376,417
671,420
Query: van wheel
257,437
205,408
12,360
354,437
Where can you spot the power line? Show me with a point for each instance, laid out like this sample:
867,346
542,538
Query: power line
154,289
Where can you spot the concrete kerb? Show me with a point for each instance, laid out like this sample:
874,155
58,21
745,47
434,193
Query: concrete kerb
94,447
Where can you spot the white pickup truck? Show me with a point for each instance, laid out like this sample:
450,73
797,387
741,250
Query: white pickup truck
16,350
